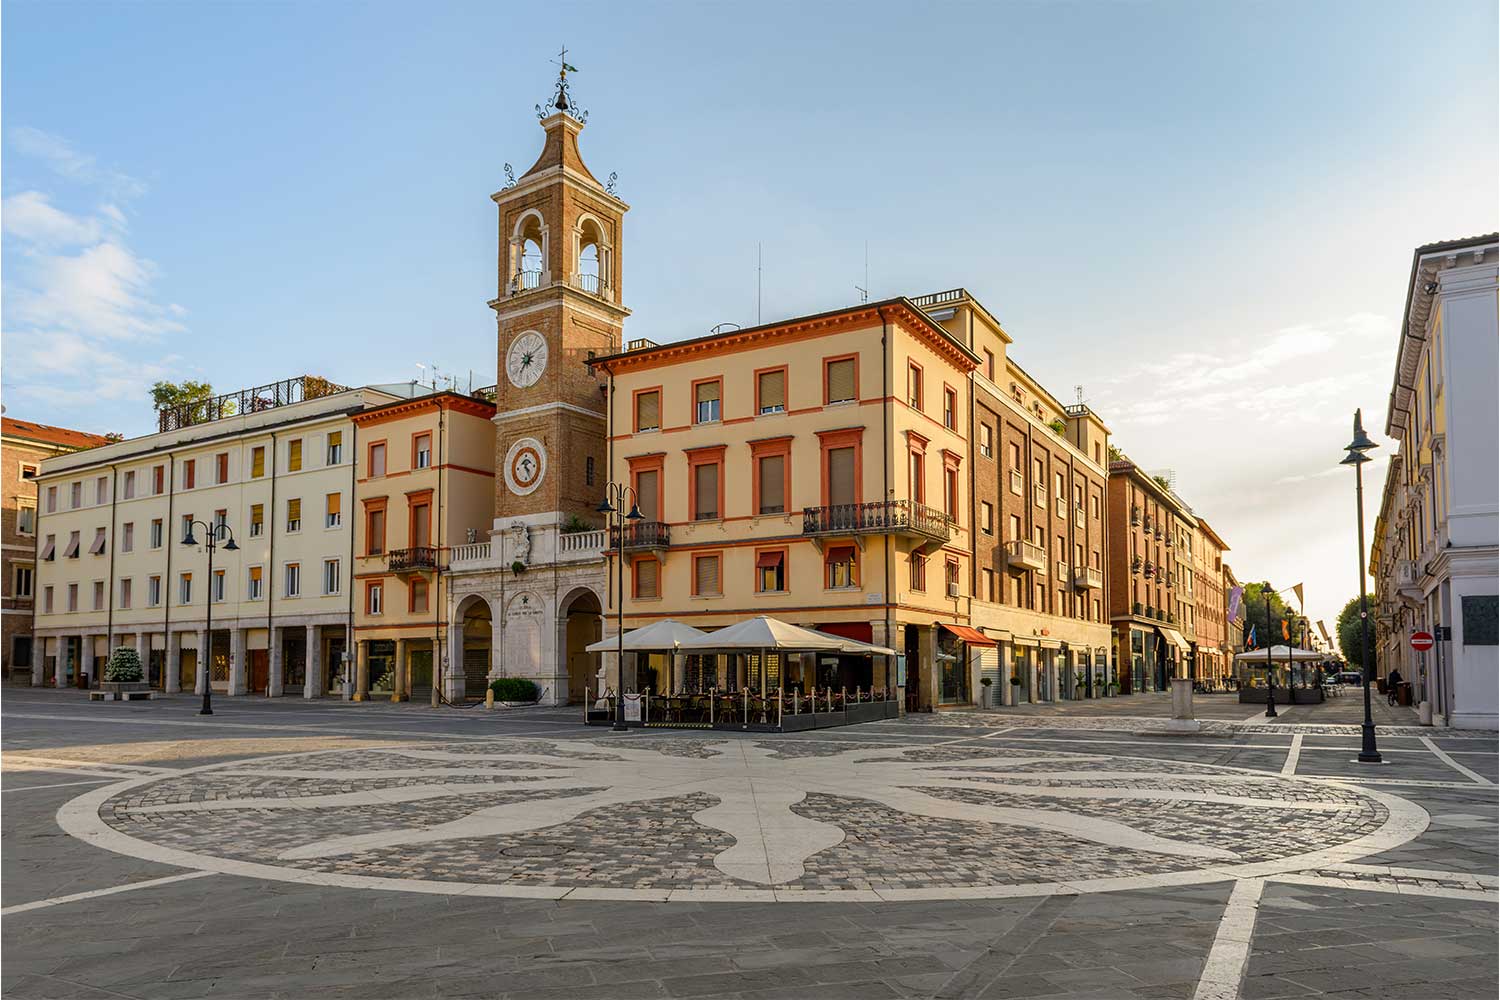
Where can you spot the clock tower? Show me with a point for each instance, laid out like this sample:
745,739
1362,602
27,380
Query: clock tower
558,306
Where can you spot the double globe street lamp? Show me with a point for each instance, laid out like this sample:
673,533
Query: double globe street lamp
213,532
616,496
1368,753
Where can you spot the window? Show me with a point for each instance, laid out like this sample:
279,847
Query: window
989,364
71,552
990,586
950,409
416,594
189,473
75,496
843,486
706,399
24,577
1060,488
986,440
101,490
127,536
293,579
257,461
950,578
839,380
217,586
96,548
294,514
98,595
771,472
374,598
294,455
331,576
419,527
49,548
1015,528
374,531
918,474
705,487
950,492
28,471
335,447
257,519
377,459
1094,505
333,514
770,572
185,589
770,391
51,499
187,526
25,520
917,564
221,521
421,451
156,533
254,583
840,564
648,410
47,599
221,467
706,576
647,579
588,470
914,386
158,480
986,517
130,485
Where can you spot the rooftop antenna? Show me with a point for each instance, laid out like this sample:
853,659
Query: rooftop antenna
1078,394
864,290
757,284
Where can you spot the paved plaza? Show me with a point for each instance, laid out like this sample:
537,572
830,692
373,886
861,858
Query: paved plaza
291,849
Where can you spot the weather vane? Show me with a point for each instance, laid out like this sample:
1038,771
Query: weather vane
561,96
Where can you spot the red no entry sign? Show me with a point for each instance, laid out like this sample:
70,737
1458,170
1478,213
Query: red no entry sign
1421,641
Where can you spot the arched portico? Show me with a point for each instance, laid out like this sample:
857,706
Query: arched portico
470,648
579,622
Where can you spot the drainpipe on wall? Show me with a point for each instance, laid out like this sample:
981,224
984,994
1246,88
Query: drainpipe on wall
353,467
437,572
973,501
268,579
885,470
166,582
109,626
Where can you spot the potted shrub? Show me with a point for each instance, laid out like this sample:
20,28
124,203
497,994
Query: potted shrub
1078,682
514,690
985,683
123,673
518,567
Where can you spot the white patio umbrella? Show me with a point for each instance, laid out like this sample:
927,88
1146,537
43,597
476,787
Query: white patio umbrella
1279,654
765,633
857,646
658,637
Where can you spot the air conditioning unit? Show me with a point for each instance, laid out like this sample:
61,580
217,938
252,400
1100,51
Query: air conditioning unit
952,590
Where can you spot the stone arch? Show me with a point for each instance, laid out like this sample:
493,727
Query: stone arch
470,646
580,621
591,255
529,251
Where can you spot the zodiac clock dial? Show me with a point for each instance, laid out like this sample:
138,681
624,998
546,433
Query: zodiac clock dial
525,465
526,359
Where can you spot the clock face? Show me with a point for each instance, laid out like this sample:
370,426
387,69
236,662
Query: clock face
526,359
525,465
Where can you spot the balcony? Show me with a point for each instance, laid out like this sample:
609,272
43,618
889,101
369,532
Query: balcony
1135,516
1088,578
1017,483
1039,496
591,284
1138,609
1078,517
642,535
1021,554
1061,504
422,558
1062,569
525,281
1409,580
580,546
883,517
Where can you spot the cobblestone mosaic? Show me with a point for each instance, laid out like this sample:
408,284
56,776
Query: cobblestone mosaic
714,814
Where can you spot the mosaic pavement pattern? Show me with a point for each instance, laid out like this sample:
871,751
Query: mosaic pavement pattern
543,817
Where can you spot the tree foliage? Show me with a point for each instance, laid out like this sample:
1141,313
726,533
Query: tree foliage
1267,628
124,665
1348,633
191,394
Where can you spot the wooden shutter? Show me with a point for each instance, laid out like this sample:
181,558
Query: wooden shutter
647,487
706,572
707,392
706,488
294,509
334,503
841,475
646,578
377,459
420,528
221,467
772,484
258,462
294,455
335,438
773,390
257,514
648,411
840,380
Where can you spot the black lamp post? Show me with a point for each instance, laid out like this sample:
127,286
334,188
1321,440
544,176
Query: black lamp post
615,496
1368,753
212,535
1266,592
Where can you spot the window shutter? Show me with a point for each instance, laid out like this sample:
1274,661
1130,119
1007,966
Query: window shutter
646,578
707,392
707,568
841,476
647,488
335,503
648,410
258,462
257,513
773,484
335,438
294,455
706,486
294,510
377,459
841,380
773,389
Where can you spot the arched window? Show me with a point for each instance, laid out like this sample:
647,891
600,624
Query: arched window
528,253
592,271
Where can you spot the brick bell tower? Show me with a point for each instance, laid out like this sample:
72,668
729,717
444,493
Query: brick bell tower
558,305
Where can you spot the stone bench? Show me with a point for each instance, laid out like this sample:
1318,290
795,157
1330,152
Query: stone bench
122,691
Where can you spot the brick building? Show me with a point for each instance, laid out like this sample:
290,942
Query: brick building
1213,650
25,445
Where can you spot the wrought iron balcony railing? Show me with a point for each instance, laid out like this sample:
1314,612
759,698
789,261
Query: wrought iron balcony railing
412,560
642,535
525,281
882,517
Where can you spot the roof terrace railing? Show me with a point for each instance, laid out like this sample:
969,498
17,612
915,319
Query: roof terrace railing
243,401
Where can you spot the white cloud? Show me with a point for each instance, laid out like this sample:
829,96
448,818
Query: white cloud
31,217
67,162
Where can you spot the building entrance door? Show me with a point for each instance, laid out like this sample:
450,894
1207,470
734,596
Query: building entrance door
259,677
187,670
913,669
419,663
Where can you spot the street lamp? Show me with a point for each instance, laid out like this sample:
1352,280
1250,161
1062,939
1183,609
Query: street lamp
1266,592
619,493
1368,754
211,543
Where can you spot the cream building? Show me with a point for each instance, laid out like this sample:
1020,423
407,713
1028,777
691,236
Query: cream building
275,467
1435,546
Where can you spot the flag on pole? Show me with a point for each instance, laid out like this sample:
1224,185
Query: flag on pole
1250,639
1286,635
570,67
1298,591
1236,595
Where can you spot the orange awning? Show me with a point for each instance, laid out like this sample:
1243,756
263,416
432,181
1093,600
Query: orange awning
840,553
972,636
768,560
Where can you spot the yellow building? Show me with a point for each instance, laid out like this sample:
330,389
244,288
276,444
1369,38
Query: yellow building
831,471
424,485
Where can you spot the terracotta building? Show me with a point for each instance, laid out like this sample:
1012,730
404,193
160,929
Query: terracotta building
1150,578
1213,651
25,445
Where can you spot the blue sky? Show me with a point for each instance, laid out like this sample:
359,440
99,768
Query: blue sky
1202,213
